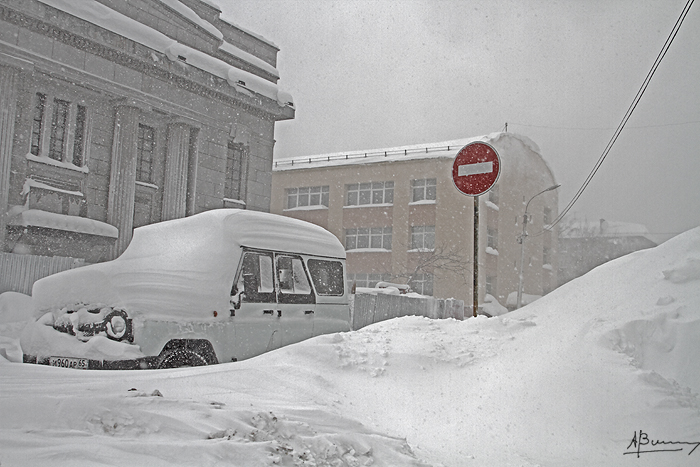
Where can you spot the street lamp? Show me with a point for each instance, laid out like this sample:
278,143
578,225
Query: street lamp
521,240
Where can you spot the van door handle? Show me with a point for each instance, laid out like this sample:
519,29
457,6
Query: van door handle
309,312
268,312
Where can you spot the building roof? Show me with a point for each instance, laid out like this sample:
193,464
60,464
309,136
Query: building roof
242,81
603,228
443,149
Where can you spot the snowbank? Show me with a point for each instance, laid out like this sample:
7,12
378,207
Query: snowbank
589,375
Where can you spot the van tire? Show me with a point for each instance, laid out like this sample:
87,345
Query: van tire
180,357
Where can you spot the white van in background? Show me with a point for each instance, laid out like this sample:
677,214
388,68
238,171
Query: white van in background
220,286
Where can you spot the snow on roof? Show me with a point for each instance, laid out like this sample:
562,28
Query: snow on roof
188,13
101,15
250,58
184,267
444,149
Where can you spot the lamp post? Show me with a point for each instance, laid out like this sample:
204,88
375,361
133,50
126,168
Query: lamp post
521,240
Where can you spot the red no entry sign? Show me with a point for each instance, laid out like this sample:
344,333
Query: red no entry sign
476,168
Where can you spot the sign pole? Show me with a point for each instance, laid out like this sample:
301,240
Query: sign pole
475,288
474,171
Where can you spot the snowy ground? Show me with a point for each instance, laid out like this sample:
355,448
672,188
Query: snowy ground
577,378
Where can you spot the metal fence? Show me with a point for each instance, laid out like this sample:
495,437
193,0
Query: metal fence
370,308
19,272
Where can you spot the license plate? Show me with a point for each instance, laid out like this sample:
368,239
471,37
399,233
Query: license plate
66,362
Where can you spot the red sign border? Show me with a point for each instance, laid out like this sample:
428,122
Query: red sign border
498,175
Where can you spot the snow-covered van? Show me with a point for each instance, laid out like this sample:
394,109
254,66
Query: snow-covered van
219,286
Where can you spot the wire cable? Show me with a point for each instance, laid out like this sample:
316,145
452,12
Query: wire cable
626,117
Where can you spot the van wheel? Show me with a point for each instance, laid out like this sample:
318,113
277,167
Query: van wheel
180,357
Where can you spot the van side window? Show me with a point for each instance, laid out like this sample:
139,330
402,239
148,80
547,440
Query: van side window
256,279
293,282
327,276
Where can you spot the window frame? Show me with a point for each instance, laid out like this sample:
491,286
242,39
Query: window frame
236,171
423,284
425,188
320,192
359,236
422,232
369,193
60,129
329,287
298,269
145,165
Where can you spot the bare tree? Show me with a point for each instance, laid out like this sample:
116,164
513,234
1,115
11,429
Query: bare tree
442,259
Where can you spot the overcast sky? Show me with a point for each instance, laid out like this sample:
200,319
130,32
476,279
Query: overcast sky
374,74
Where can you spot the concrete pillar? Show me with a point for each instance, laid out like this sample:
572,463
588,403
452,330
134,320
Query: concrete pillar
8,107
122,180
176,161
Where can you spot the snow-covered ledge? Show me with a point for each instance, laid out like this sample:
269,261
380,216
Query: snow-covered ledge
51,220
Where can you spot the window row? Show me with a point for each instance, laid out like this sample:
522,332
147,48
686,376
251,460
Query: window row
267,277
361,194
422,238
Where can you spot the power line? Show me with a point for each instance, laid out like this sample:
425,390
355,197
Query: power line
602,128
627,115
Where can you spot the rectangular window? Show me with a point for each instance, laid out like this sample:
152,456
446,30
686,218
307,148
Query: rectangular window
546,256
423,189
235,168
492,238
37,123
294,285
307,196
79,141
364,237
359,194
327,276
145,153
54,140
423,237
422,284
59,129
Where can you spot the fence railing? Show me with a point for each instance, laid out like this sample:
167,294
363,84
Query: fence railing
19,272
372,308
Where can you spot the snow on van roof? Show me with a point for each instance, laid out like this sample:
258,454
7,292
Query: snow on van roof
183,267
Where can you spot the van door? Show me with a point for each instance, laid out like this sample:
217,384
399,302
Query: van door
255,315
332,310
295,298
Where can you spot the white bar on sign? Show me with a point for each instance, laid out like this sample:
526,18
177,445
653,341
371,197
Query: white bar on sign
475,169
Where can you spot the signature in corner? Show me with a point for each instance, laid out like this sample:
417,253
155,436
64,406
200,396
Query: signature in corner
642,444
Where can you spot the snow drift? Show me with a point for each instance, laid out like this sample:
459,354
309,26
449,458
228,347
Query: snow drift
599,372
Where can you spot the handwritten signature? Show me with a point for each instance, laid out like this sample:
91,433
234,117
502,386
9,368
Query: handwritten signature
642,444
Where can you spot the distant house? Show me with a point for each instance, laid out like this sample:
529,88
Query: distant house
401,218
585,245
116,113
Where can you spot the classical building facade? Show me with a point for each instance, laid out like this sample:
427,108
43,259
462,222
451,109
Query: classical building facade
115,114
402,220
